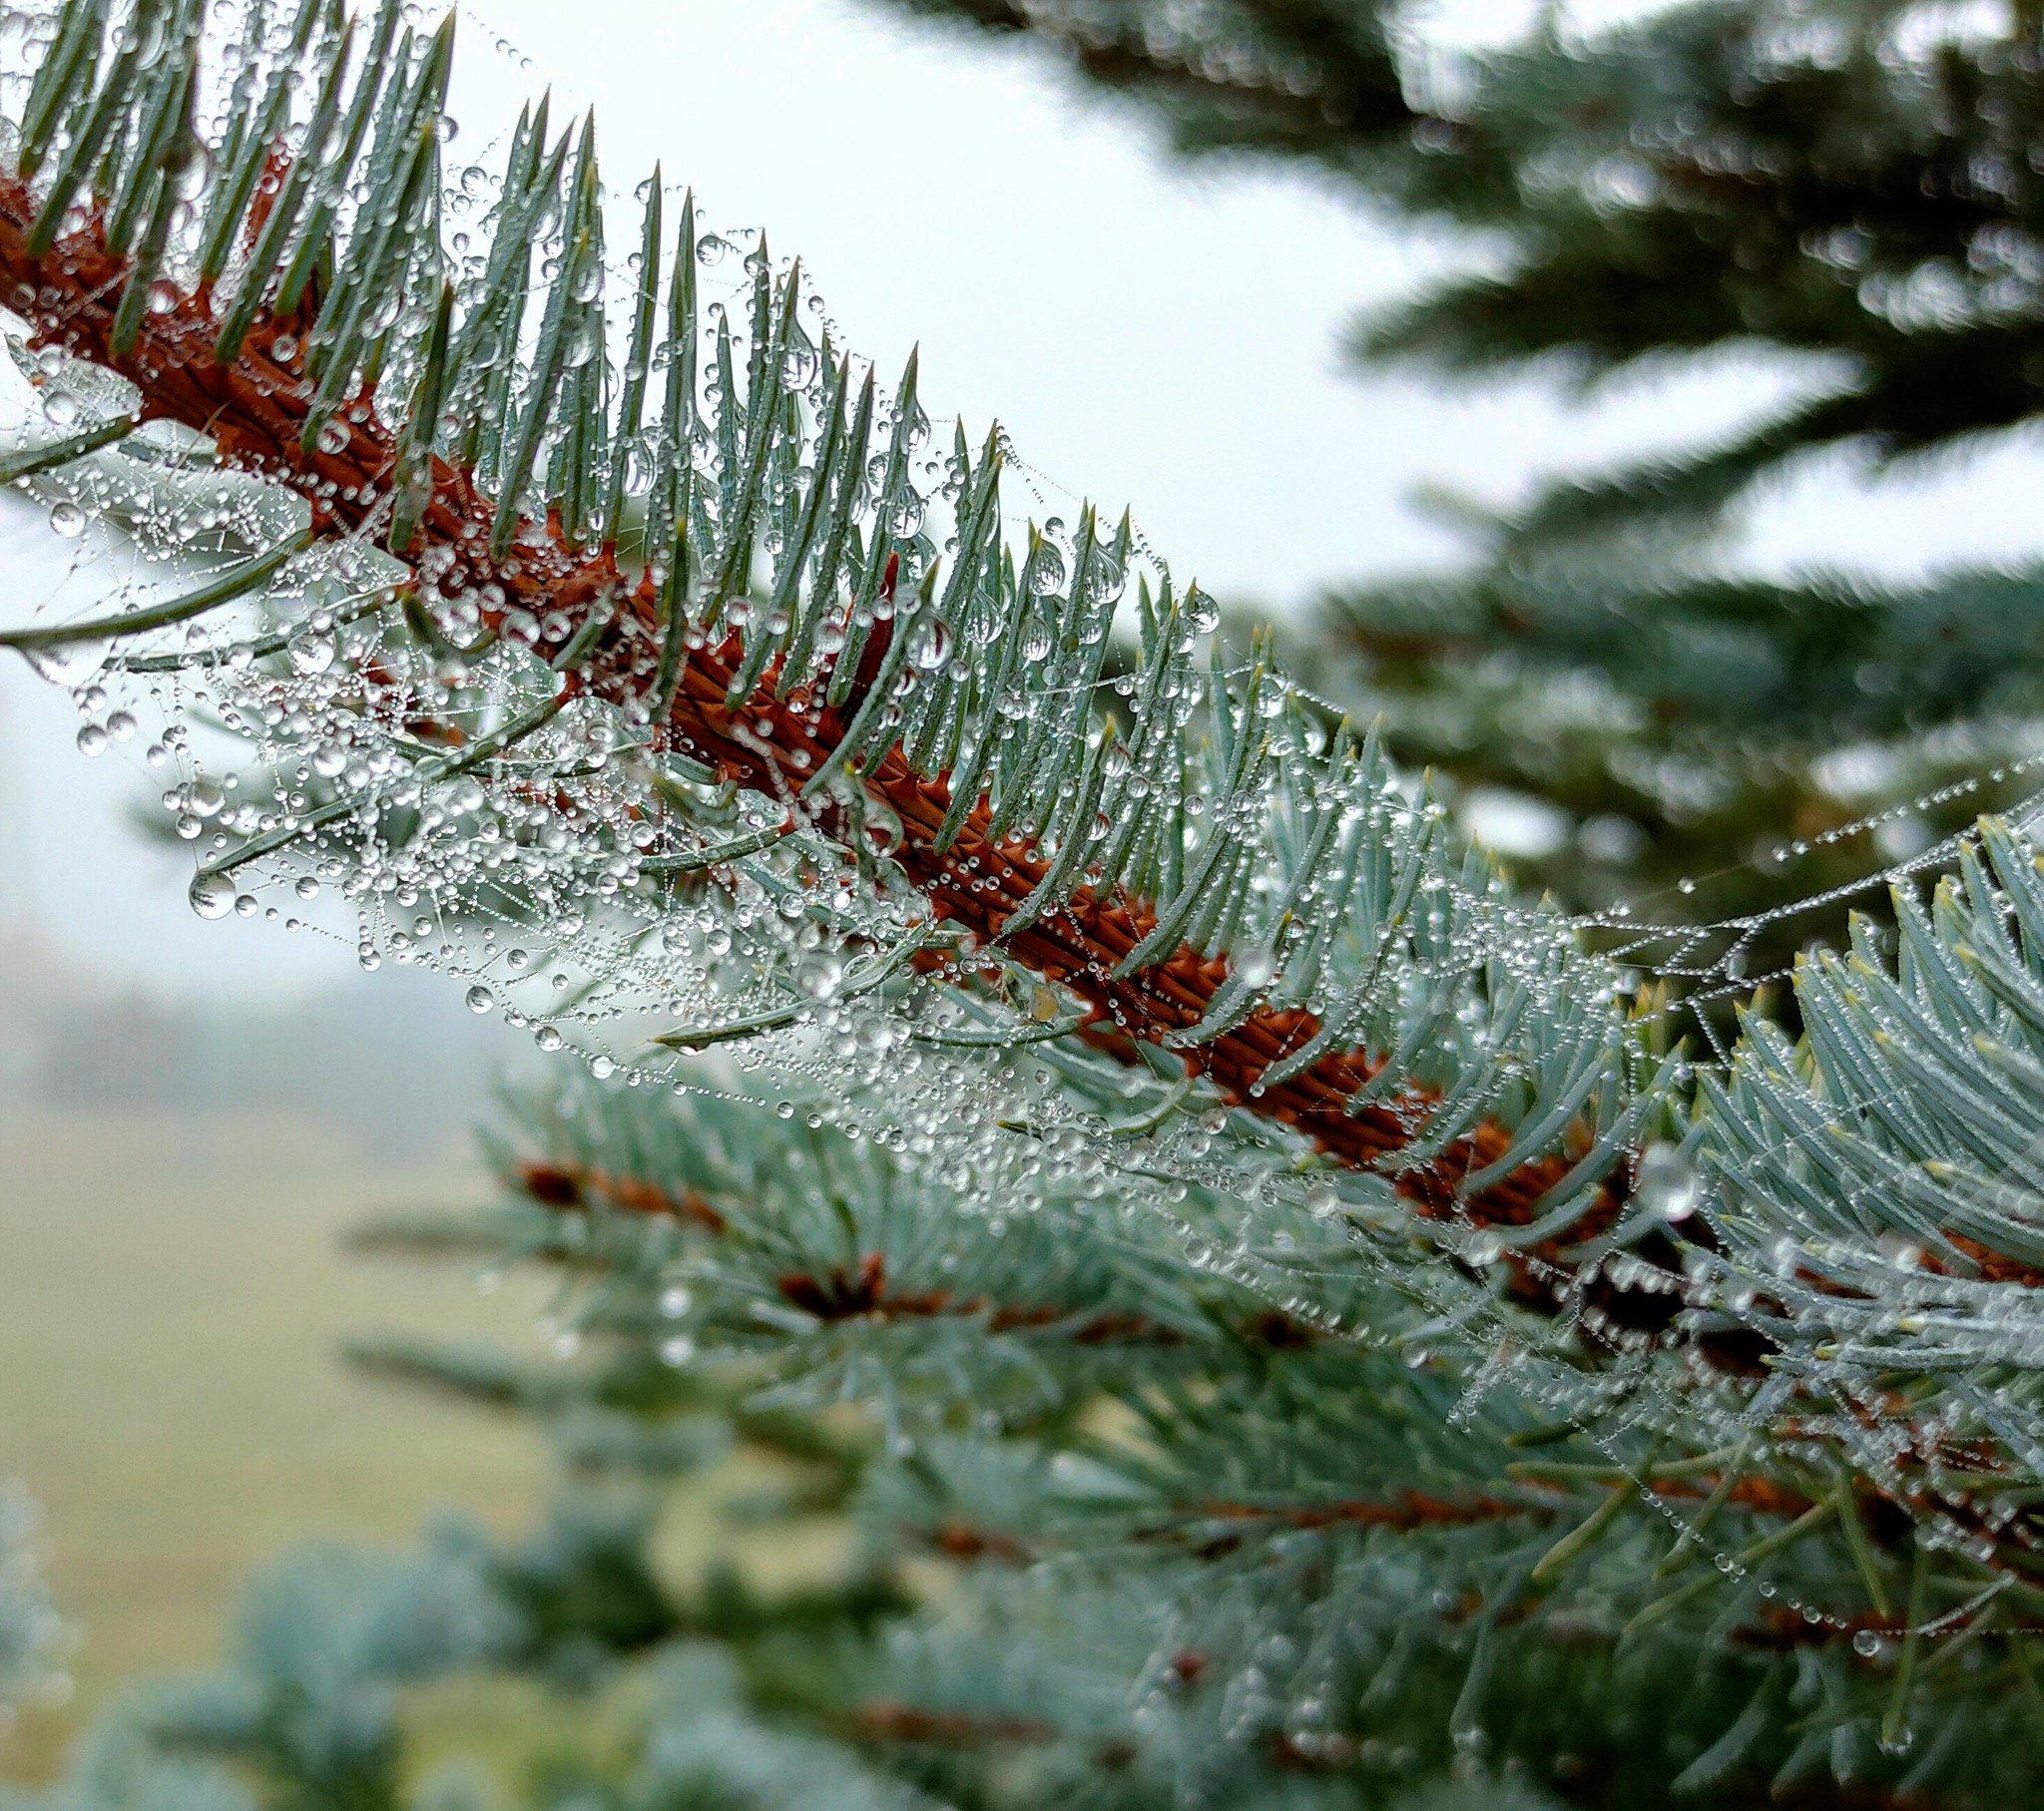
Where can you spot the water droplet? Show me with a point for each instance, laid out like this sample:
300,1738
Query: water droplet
121,725
92,740
546,1038
332,437
311,652
932,647
211,895
305,887
1667,1183
1254,968
70,662
480,1000
67,519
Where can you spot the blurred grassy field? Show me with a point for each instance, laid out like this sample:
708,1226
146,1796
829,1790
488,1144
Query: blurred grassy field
171,1298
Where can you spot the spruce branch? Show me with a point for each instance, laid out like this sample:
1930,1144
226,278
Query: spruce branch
1224,892
264,407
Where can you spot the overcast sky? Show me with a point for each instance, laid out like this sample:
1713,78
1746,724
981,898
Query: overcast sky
1149,335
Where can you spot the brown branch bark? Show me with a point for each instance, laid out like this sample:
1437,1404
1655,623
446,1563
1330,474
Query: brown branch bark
255,409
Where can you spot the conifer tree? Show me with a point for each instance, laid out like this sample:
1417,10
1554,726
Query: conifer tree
1344,1343
1848,182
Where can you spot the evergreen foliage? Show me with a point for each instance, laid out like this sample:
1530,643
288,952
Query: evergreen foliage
29,1629
1851,185
1340,1339
1190,1553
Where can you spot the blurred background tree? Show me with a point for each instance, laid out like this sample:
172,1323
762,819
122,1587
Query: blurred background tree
1852,184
